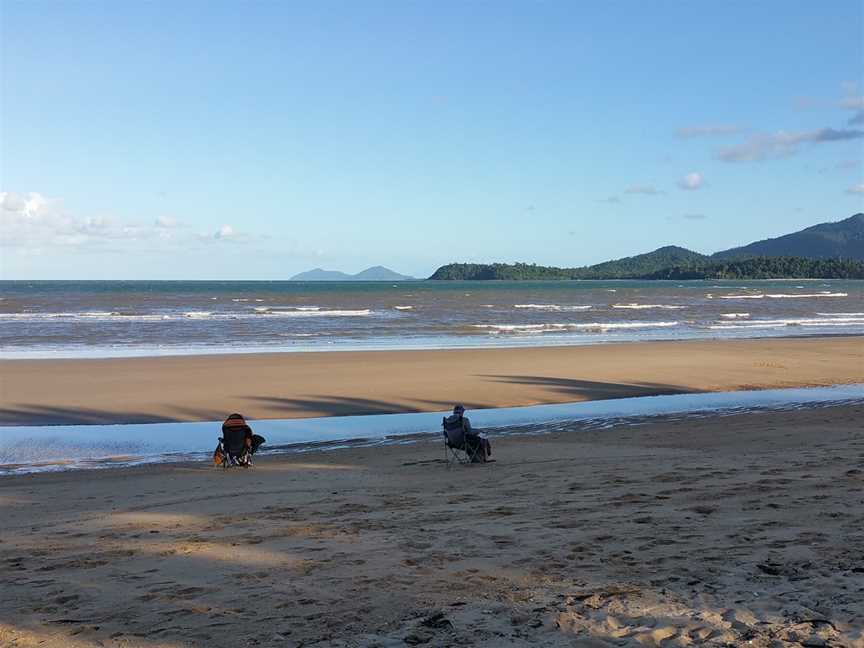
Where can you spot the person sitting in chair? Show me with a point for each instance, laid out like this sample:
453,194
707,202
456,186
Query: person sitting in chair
476,444
237,442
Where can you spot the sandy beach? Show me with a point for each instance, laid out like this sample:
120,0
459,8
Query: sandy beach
257,258
290,385
742,530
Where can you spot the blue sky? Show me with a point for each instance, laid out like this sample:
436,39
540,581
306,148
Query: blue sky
256,140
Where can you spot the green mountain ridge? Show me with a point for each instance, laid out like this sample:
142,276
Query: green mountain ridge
827,250
664,257
842,239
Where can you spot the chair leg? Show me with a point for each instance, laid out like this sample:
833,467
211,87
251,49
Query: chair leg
452,456
475,452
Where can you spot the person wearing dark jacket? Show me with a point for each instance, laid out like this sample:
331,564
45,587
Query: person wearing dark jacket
476,443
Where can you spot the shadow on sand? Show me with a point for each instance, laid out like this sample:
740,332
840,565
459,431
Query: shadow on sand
552,390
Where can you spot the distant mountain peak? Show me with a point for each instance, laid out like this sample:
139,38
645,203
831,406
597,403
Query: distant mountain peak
673,248
375,273
658,259
380,273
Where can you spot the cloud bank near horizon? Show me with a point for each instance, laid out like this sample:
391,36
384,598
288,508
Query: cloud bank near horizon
33,223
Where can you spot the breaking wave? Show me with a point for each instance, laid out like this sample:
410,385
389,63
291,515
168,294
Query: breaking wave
551,307
646,306
312,311
89,316
779,323
785,295
569,326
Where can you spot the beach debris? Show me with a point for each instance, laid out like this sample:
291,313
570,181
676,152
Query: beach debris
814,642
771,570
437,620
518,618
418,638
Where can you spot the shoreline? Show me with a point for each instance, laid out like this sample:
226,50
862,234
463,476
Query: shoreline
111,353
117,447
703,531
338,383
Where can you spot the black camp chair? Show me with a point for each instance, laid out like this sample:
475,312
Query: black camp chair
232,444
458,446
235,452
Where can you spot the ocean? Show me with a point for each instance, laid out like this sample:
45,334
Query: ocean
51,319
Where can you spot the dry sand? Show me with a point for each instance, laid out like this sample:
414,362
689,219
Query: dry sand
288,385
745,530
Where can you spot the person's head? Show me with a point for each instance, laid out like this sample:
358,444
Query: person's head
235,420
459,410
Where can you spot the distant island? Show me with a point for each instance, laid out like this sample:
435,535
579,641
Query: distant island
375,273
825,251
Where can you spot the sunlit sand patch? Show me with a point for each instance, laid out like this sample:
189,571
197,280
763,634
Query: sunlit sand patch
21,637
240,554
8,500
289,466
152,520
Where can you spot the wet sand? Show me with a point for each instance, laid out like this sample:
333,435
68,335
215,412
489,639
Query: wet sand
741,530
291,385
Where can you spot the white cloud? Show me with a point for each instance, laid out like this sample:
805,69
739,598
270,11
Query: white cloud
691,181
857,189
11,202
30,206
708,131
694,216
646,190
782,144
165,222
33,223
225,232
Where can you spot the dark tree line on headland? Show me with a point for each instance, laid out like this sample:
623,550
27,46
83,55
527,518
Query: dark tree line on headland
768,268
826,251
755,268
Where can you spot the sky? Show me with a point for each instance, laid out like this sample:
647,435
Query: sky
255,140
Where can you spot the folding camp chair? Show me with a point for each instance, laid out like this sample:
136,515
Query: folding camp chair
458,446
235,452
237,443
